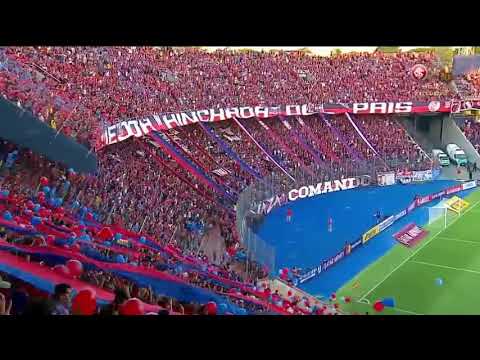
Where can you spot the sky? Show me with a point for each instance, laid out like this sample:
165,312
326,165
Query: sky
318,50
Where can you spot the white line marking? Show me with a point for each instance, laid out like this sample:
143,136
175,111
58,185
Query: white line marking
367,302
406,311
458,240
416,251
445,267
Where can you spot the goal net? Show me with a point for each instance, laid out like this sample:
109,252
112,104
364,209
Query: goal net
441,216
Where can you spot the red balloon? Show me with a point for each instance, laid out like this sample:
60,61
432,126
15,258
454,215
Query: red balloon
132,306
105,233
378,306
30,204
211,308
44,181
17,219
60,210
62,270
75,267
348,299
89,216
50,239
75,247
41,194
84,302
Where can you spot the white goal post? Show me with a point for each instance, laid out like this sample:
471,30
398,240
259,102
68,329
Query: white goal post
441,215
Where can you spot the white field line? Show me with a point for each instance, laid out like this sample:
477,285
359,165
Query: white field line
458,240
416,251
406,311
445,267
367,302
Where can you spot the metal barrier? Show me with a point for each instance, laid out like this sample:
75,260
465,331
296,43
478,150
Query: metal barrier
248,219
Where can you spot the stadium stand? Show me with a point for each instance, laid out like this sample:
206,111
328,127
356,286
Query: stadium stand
176,189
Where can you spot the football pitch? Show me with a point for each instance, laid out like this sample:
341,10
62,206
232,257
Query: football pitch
409,275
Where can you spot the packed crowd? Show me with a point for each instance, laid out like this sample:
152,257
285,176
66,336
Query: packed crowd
469,84
471,129
145,189
78,89
20,209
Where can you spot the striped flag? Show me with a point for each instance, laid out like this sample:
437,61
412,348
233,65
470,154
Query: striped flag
220,172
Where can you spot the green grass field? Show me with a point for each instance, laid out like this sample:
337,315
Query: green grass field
408,274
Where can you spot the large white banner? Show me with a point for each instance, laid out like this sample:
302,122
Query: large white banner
141,127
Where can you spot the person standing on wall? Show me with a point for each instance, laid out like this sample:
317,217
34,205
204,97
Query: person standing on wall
289,215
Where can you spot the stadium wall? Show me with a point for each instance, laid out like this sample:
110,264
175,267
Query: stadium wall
451,133
436,132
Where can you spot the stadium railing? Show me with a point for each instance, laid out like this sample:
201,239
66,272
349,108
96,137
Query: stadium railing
248,219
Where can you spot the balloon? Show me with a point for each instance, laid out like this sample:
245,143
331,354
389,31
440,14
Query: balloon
36,221
348,299
46,189
222,308
142,240
75,204
84,302
120,258
107,243
17,219
211,308
50,239
439,281
62,270
389,302
105,233
333,296
378,306
75,247
36,207
28,212
7,216
85,237
242,311
75,267
60,210
132,306
89,216
70,171
5,193
44,181
118,236
30,204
